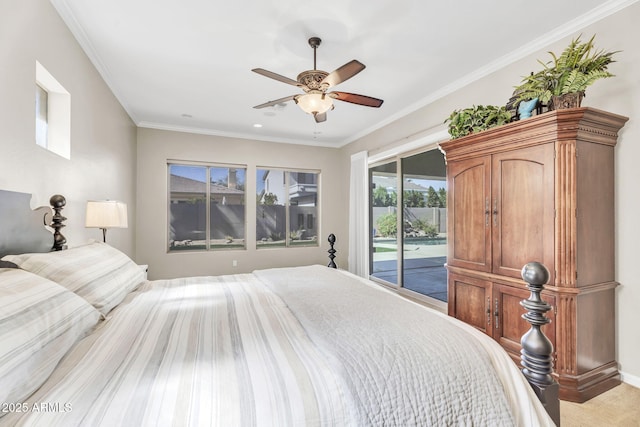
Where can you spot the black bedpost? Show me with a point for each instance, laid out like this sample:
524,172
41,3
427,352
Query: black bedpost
332,241
57,203
537,351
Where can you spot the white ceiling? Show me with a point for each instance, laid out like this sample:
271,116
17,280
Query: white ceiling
186,64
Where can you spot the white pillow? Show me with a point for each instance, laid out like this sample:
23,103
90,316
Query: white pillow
39,322
97,272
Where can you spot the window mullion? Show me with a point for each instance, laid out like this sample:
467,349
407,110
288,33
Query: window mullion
400,223
287,208
207,211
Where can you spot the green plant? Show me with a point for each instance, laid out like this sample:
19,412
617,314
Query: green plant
413,199
275,236
442,195
388,225
381,197
476,119
426,227
435,198
296,234
577,68
270,199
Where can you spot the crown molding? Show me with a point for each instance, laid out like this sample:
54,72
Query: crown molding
604,10
235,135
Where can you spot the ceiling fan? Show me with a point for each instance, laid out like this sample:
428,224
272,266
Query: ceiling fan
316,100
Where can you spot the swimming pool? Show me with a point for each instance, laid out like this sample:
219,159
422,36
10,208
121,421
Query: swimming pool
425,241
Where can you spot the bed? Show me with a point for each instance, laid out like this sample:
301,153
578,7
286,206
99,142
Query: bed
88,341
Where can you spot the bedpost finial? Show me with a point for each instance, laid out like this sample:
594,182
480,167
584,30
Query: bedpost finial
332,241
57,201
535,273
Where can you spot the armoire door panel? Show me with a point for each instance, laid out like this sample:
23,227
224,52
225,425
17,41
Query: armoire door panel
469,301
522,209
468,205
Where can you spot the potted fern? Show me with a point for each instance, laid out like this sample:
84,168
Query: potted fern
563,80
476,119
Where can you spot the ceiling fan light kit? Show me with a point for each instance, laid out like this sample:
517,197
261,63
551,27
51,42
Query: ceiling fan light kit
315,83
314,103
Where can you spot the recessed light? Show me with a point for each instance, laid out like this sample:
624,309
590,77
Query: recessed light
257,125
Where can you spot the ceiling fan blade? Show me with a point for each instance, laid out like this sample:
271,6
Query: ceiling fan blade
320,117
277,101
276,76
343,73
354,98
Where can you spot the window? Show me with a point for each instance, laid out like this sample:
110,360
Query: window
206,207
52,114
42,116
286,208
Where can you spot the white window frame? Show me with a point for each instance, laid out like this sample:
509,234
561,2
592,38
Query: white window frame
287,205
208,239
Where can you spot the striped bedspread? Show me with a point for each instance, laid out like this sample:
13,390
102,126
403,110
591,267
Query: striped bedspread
305,346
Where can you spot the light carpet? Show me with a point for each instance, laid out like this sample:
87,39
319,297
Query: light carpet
618,407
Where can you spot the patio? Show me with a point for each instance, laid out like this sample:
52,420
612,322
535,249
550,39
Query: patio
427,276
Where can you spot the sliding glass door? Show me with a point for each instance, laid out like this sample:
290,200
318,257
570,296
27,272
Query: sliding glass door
424,216
408,211
383,181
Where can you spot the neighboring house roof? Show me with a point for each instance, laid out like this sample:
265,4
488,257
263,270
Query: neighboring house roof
387,182
180,184
413,186
221,189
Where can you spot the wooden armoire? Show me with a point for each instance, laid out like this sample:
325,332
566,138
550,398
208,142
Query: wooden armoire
540,189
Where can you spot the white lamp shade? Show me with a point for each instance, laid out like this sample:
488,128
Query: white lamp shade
106,214
315,103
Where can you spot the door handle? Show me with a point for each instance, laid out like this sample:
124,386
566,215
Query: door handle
487,212
496,314
489,311
495,212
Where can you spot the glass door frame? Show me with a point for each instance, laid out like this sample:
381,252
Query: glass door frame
398,287
399,242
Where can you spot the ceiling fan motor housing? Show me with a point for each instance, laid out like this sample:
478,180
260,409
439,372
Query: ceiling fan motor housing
311,80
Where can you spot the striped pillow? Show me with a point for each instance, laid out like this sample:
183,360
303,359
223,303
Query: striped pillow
97,272
39,322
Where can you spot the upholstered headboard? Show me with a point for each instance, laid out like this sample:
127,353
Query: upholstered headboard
22,229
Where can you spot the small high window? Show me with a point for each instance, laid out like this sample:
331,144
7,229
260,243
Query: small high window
53,114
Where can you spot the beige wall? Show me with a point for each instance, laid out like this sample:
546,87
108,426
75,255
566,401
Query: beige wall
102,163
621,95
155,147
